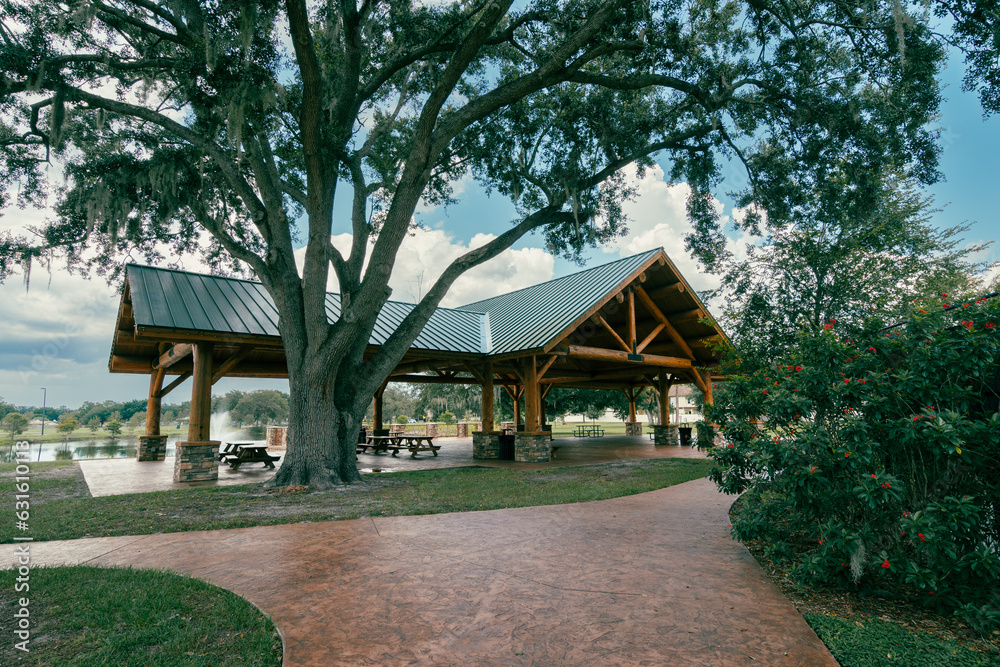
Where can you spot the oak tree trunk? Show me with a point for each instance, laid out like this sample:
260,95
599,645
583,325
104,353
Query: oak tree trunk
323,431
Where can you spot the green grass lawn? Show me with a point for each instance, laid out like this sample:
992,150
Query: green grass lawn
877,643
58,512
123,617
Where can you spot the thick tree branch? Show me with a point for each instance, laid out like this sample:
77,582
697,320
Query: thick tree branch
320,177
136,23
256,208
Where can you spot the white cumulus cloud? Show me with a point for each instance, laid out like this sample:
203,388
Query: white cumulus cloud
426,253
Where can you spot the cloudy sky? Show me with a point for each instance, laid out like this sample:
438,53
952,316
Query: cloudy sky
57,334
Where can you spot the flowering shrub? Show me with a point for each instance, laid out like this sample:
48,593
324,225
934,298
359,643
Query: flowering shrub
874,455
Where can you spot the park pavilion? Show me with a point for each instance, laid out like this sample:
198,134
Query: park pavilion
626,325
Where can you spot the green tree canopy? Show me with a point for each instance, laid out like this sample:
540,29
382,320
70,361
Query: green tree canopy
67,424
831,260
262,407
975,26
14,424
114,426
196,128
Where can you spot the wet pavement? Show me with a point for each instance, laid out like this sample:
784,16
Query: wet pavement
109,477
650,579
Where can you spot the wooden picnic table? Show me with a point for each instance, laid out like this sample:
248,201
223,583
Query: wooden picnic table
396,442
247,452
415,443
231,449
588,431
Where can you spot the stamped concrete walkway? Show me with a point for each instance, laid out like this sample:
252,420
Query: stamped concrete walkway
652,579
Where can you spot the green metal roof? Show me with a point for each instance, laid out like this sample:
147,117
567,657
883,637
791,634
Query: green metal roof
169,299
523,320
531,317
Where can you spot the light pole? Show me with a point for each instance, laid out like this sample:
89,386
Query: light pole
45,395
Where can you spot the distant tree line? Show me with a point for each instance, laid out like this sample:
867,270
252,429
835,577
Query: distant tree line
441,402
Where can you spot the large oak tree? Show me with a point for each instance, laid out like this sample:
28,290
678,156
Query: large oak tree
186,126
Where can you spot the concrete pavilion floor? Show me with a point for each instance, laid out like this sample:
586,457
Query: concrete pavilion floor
650,579
109,477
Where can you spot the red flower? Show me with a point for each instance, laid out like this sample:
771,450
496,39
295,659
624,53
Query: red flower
832,320
763,391
886,485
827,327
944,295
873,476
847,379
886,564
990,325
798,369
921,536
916,417
847,455
871,349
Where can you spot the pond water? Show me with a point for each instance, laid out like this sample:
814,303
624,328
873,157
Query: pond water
118,448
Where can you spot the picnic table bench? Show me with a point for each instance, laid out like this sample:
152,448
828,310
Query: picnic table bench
396,442
238,453
588,431
415,443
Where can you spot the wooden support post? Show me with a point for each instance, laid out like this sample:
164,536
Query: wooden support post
153,402
630,395
199,426
516,395
665,383
530,377
487,414
706,378
377,408
631,321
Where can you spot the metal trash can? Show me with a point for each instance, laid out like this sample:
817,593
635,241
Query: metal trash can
685,433
507,447
362,436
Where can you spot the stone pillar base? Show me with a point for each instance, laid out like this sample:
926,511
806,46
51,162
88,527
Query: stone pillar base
462,431
633,428
666,435
485,445
277,437
196,461
532,447
432,430
152,448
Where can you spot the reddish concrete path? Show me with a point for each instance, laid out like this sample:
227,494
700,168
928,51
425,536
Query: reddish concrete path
652,579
